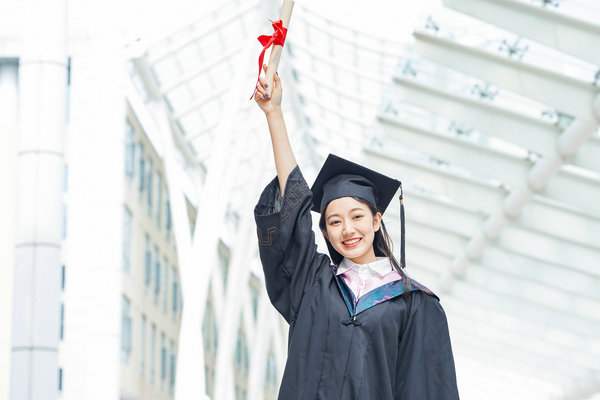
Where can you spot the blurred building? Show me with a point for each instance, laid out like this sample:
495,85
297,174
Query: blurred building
151,284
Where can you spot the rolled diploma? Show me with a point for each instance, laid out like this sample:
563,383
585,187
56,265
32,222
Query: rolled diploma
286,14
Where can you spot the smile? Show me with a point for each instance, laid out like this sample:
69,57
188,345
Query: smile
351,242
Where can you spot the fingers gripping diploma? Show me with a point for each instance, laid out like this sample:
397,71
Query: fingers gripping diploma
265,102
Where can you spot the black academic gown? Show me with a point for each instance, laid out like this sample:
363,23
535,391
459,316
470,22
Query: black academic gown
391,344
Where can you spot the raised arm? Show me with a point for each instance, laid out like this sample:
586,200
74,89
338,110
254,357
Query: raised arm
283,154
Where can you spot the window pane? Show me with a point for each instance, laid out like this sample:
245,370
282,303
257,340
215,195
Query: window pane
240,365
175,295
152,352
163,361
142,170
129,151
149,185
147,261
164,285
158,199
126,330
126,238
143,348
168,216
224,257
172,368
156,274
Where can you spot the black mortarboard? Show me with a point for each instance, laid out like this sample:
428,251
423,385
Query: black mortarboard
342,178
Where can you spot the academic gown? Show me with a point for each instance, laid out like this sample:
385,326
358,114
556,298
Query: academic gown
392,343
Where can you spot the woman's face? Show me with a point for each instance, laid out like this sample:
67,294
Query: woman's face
351,229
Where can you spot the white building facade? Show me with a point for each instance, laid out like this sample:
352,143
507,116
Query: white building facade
115,292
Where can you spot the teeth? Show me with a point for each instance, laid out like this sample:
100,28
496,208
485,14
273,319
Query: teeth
351,241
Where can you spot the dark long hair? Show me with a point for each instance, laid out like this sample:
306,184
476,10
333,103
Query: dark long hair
382,243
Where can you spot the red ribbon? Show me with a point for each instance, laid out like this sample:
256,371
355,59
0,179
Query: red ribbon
277,38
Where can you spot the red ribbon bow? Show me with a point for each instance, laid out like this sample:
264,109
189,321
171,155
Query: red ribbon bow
277,38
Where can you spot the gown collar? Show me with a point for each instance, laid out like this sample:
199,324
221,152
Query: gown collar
376,296
382,266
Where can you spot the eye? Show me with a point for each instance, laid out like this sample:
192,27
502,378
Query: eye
358,216
334,222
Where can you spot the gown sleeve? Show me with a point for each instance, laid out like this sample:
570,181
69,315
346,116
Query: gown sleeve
286,242
425,368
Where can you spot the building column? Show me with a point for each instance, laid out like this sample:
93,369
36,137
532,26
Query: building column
39,218
8,176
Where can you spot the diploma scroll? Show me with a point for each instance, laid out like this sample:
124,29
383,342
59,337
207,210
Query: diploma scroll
276,50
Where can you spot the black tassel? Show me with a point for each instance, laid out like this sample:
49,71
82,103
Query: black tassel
402,232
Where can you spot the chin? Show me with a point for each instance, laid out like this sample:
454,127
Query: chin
352,255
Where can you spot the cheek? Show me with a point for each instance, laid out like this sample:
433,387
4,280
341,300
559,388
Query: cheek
329,233
334,234
367,227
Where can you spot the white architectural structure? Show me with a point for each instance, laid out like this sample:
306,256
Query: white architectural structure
8,135
40,173
489,115
507,217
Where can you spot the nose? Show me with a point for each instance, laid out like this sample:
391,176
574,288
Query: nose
347,227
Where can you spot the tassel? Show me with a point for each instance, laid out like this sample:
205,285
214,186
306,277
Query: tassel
402,231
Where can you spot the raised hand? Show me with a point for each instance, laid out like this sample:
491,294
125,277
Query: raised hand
272,103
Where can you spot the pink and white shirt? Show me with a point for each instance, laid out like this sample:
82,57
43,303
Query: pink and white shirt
362,278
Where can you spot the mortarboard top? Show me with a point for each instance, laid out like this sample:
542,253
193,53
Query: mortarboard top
342,178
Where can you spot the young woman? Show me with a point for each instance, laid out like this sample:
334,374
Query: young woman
359,327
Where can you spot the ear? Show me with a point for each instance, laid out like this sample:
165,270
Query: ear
324,232
376,222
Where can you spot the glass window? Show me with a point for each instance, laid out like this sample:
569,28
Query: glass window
240,366
141,171
163,361
68,94
210,340
156,275
175,294
143,348
126,239
129,151
254,284
254,303
172,368
168,215
152,352
224,257
126,330
60,379
147,261
165,285
158,199
62,280
149,185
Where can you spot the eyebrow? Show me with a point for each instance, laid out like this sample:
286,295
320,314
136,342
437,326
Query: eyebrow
354,209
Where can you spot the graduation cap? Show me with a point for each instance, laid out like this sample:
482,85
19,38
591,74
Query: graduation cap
342,178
